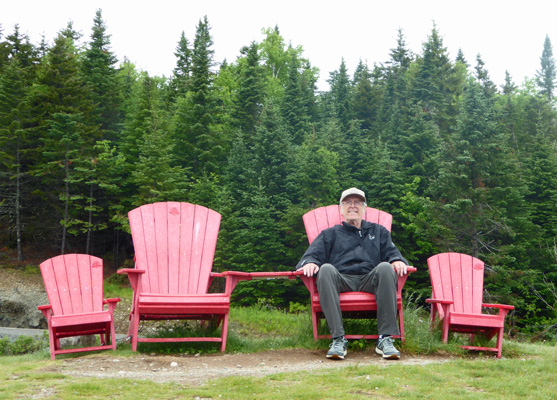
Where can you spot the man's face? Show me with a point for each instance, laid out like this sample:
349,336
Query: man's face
353,208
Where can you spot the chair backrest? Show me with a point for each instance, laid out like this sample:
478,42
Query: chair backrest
73,283
457,277
325,217
175,244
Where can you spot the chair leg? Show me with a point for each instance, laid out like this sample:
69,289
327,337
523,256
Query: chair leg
134,328
224,333
471,338
401,325
445,329
113,335
316,324
499,343
52,342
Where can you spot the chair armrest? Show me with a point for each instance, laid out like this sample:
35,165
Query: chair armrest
232,279
273,275
133,275
500,306
130,271
503,308
434,311
47,312
439,301
111,304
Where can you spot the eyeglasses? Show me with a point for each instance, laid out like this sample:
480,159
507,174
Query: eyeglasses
356,203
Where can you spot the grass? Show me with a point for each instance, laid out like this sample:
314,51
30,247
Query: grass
526,371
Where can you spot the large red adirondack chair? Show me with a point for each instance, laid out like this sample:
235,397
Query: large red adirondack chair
74,286
457,297
174,249
352,304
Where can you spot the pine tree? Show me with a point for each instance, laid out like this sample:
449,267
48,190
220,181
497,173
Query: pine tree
59,103
14,146
480,187
179,83
341,93
490,90
100,75
17,152
63,149
18,45
316,176
362,101
431,88
545,77
249,98
295,115
419,150
154,174
199,144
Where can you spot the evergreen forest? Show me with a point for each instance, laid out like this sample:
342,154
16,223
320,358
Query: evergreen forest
462,164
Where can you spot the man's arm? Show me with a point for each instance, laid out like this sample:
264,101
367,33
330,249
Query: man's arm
392,254
314,256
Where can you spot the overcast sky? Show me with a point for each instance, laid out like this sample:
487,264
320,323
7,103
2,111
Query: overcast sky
509,35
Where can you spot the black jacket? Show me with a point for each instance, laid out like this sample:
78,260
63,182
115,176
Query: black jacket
352,251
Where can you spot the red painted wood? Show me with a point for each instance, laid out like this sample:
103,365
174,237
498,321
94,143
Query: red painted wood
352,304
457,291
325,217
73,284
175,245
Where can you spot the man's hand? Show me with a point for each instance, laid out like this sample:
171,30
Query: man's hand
401,269
310,269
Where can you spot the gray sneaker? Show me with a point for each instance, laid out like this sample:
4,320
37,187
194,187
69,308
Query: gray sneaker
386,348
337,349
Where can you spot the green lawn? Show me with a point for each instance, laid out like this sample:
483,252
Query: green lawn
526,371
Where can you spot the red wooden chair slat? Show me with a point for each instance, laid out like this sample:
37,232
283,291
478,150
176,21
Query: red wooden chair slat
174,251
352,304
457,297
74,286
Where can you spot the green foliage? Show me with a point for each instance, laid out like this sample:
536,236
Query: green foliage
22,345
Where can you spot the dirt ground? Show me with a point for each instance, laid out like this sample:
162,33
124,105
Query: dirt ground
197,370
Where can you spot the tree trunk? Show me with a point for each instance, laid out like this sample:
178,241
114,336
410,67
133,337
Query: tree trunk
66,206
18,206
90,221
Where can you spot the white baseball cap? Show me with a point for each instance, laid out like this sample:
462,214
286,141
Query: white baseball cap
352,191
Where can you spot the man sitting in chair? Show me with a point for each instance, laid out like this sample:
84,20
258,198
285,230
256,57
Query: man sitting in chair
356,256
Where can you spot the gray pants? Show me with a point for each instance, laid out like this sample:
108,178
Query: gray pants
381,281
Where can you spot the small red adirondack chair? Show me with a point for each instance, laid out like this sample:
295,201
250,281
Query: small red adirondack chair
174,249
353,304
74,286
457,297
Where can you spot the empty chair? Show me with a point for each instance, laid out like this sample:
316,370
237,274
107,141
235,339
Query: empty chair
457,298
74,286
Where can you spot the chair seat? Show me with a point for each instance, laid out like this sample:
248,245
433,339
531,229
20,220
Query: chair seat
478,320
212,303
354,301
81,319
